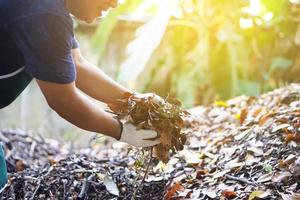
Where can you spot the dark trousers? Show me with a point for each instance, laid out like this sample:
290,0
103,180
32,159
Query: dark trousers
12,87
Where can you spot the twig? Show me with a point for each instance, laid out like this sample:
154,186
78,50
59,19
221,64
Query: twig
40,183
82,170
36,190
86,186
32,148
148,166
145,175
243,180
5,186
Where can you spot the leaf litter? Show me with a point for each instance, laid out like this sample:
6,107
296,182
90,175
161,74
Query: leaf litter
243,148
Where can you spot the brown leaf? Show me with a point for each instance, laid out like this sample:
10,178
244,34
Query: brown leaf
257,112
265,117
166,138
176,187
229,194
289,137
161,152
20,165
243,115
200,174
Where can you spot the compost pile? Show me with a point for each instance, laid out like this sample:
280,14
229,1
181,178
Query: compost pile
244,148
81,177
23,150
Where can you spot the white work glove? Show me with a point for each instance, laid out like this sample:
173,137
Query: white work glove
138,138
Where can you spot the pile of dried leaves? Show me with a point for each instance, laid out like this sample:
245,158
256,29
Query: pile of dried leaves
151,112
245,148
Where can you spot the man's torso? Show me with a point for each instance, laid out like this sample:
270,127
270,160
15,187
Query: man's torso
14,12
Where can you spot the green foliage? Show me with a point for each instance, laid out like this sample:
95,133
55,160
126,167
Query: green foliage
280,63
108,23
141,48
213,49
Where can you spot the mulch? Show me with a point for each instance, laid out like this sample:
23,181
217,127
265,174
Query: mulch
243,148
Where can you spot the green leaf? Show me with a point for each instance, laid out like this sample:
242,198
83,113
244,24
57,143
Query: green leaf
249,87
108,23
268,168
280,63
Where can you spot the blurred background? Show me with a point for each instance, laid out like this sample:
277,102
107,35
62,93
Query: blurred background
198,51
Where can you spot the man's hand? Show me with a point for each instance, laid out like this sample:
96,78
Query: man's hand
138,138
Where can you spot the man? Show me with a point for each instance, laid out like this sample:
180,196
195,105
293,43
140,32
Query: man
37,42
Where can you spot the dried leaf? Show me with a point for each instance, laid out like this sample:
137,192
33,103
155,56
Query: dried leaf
280,127
259,194
295,168
264,178
264,118
20,165
229,194
256,151
242,135
166,138
286,162
211,194
190,157
243,115
148,111
290,137
176,187
257,112
281,177
221,104
110,185
233,164
200,174
293,196
220,174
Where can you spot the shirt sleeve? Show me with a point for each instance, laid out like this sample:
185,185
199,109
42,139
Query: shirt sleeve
75,43
46,42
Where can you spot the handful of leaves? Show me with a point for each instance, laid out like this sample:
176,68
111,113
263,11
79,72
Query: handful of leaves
148,111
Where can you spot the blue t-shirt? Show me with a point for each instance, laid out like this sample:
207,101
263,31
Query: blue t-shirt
37,35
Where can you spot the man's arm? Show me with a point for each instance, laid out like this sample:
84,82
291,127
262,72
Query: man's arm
94,82
70,104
